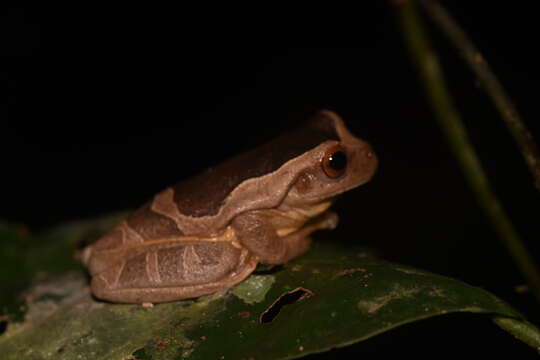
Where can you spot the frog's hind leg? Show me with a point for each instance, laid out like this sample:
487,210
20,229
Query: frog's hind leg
173,272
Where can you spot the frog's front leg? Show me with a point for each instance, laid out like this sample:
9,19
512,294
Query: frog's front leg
158,273
258,235
299,241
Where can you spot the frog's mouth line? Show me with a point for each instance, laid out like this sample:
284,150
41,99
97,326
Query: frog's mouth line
326,198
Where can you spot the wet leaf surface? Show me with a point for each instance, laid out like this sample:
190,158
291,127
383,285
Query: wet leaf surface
330,297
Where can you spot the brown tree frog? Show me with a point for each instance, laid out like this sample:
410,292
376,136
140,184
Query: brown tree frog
209,232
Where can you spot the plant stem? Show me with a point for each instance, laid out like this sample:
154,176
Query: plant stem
490,83
452,125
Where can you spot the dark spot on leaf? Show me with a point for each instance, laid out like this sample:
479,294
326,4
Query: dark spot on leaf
287,298
244,314
160,344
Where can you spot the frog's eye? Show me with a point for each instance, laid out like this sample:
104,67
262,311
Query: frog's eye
334,162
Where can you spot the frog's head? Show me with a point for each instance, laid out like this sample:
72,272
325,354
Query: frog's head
339,163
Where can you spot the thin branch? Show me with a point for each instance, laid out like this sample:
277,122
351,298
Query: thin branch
489,82
450,121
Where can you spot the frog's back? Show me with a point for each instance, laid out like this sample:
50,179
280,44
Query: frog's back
205,194
187,208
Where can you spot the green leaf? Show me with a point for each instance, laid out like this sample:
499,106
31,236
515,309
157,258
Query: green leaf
328,298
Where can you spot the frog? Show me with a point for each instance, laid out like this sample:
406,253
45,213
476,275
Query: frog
210,231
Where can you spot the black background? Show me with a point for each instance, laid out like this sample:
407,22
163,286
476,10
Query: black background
101,107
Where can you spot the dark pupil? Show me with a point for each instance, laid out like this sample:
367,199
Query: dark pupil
338,161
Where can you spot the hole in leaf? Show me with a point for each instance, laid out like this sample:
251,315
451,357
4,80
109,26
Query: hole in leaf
139,355
287,298
3,325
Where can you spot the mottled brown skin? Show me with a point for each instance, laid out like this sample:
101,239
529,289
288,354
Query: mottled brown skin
209,232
